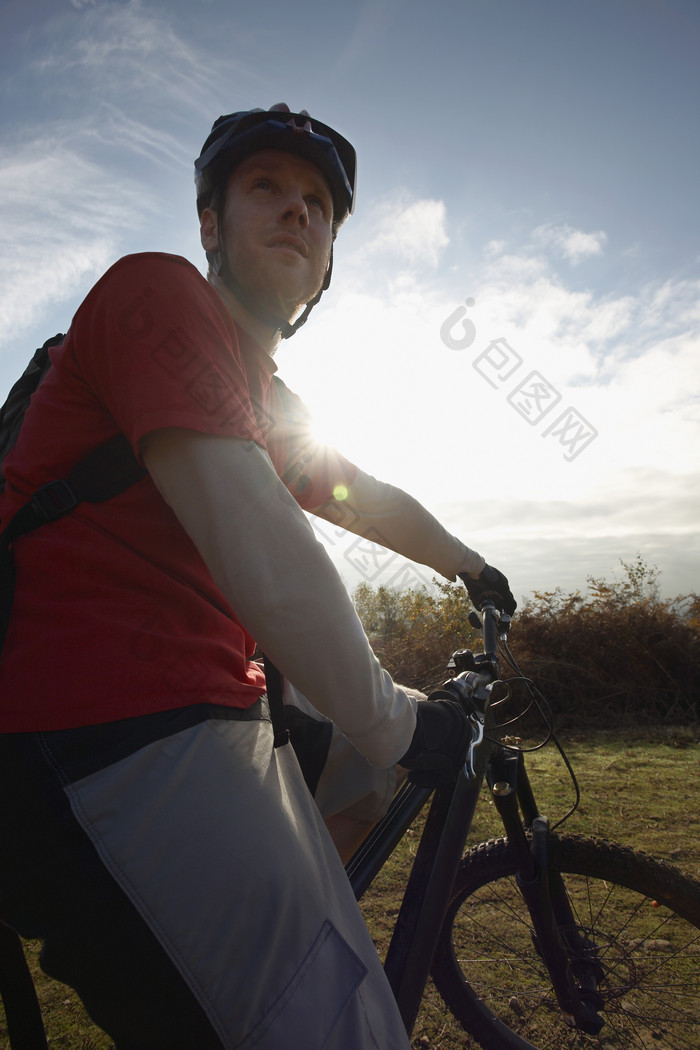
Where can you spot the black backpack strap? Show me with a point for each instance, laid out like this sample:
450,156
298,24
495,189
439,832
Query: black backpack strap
311,739
273,680
102,474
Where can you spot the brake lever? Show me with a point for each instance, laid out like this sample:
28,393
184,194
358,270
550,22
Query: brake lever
477,723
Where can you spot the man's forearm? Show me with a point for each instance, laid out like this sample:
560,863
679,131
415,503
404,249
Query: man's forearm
391,517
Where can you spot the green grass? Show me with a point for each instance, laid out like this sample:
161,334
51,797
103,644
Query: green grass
635,789
67,1025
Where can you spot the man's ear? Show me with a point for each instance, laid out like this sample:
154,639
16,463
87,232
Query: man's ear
209,230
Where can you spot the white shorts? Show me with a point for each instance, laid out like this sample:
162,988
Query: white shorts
214,838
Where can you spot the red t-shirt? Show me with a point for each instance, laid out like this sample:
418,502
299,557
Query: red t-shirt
115,613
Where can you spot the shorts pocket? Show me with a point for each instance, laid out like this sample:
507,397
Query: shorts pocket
309,1007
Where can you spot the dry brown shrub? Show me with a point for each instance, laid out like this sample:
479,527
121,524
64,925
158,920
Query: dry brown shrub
619,652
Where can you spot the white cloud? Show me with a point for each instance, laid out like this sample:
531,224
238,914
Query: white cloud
116,129
570,243
371,22
494,248
627,363
61,220
415,231
74,190
673,305
128,52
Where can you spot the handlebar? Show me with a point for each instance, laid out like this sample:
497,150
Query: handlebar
495,625
477,672
478,688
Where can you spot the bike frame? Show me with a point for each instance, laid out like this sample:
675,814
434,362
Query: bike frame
429,886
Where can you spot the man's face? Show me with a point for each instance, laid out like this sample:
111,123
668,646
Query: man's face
276,229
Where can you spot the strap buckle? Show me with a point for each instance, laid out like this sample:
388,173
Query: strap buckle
54,499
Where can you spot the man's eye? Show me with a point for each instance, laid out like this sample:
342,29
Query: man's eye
263,184
319,202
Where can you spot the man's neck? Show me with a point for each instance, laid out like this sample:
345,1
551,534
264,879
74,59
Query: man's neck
269,338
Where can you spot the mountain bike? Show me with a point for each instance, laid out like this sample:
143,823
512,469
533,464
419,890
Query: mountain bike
537,940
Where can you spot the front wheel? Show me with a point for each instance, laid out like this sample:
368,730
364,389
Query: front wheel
643,917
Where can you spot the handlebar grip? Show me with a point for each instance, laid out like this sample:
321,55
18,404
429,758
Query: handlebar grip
490,584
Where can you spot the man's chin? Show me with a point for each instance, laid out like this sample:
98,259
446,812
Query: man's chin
288,303
281,296
280,308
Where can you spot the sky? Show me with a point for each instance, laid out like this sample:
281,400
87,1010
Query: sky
512,331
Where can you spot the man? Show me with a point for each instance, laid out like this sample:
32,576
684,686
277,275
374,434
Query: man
171,859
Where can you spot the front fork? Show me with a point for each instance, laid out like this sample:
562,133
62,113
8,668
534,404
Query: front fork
569,957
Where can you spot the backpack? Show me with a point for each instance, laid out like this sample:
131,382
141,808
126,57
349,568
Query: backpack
12,412
102,474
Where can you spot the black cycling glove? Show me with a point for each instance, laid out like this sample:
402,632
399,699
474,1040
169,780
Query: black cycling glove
440,740
490,583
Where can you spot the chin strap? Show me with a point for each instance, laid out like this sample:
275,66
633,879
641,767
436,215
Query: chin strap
220,266
288,329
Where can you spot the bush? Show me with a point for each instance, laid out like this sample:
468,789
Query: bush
414,632
618,651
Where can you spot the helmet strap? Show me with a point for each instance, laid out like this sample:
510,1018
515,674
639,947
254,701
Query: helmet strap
288,330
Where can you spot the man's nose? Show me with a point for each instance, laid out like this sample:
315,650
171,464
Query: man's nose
295,209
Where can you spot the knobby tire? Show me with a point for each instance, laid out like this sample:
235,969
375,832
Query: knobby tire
643,916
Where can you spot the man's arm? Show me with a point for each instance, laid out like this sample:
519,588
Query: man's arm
392,518
262,554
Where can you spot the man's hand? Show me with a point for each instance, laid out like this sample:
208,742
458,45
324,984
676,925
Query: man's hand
490,583
441,738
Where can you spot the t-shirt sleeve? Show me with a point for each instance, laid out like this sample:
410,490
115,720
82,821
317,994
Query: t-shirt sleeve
155,345
313,472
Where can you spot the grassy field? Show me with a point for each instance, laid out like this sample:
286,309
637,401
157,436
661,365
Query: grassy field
636,789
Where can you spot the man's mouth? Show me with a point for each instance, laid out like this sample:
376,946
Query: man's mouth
289,241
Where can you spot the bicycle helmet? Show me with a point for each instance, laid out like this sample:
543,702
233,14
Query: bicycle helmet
236,136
